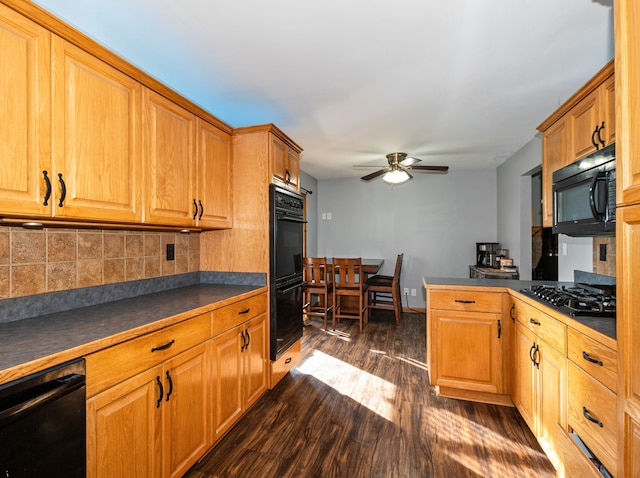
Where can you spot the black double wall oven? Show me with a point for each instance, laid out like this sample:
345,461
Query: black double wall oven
286,236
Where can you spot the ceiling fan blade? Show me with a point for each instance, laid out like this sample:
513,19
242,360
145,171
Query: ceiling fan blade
431,169
410,161
372,176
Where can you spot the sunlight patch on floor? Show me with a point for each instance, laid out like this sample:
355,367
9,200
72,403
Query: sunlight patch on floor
369,390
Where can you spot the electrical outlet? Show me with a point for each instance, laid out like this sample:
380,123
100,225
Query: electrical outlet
413,292
603,252
171,252
406,291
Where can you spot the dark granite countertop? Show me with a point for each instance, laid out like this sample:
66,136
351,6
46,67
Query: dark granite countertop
74,331
605,326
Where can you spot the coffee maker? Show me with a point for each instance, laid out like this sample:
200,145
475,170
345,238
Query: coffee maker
486,253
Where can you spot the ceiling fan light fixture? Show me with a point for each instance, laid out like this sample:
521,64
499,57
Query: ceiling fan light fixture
396,176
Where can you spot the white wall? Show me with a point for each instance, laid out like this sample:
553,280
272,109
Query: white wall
514,204
434,219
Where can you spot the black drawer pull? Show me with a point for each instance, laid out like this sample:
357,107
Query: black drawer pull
164,346
170,380
586,414
47,193
245,311
201,209
534,322
460,301
159,382
195,209
63,187
287,361
585,356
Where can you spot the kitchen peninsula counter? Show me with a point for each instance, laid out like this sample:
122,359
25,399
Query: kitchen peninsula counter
32,344
605,327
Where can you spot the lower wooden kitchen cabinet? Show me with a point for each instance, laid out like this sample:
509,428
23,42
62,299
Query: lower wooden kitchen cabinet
240,360
473,322
540,373
154,423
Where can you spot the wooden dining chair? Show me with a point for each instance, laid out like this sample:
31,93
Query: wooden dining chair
349,283
383,292
318,289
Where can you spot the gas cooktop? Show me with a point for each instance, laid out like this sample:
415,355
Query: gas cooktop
581,300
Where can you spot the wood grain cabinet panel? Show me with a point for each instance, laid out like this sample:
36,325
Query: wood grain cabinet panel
25,115
97,146
213,177
555,154
285,163
169,163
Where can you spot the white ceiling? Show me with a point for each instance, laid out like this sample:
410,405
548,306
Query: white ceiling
462,83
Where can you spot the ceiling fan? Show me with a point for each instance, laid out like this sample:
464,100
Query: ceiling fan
398,170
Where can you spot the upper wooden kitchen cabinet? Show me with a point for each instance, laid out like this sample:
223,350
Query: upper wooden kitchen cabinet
471,321
584,123
97,147
169,163
285,163
213,176
25,115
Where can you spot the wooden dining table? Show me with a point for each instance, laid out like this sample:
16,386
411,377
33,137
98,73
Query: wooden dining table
369,266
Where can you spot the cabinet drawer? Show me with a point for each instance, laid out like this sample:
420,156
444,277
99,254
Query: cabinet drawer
592,414
234,314
466,300
552,331
114,364
281,367
594,358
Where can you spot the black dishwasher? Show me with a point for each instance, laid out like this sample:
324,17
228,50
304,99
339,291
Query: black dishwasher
43,423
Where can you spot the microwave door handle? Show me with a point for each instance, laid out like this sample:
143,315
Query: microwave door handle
599,215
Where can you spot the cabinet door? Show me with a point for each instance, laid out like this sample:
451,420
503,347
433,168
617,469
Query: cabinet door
227,380
554,156
552,390
124,426
186,410
255,359
170,192
524,390
213,175
479,367
25,115
96,138
583,119
293,168
278,152
607,109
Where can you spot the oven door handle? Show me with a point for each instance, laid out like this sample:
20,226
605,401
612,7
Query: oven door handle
289,289
282,217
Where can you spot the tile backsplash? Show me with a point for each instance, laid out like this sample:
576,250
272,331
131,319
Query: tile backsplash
608,266
53,259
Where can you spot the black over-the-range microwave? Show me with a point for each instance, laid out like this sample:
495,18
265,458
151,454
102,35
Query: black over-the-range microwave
584,195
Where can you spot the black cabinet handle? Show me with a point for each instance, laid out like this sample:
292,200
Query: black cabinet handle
586,356
246,331
244,341
499,328
511,311
460,301
47,193
287,361
287,176
168,375
593,138
159,383
599,130
163,346
534,322
245,311
201,209
537,357
531,350
195,209
63,187
588,416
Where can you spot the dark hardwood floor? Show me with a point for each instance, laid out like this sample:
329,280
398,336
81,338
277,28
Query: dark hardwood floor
360,405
